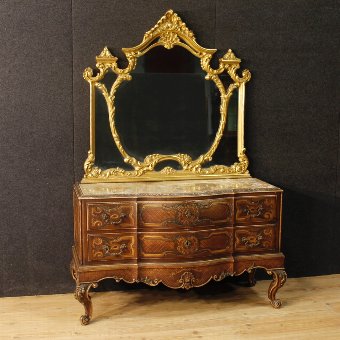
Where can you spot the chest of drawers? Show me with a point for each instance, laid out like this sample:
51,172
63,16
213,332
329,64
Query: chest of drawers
182,234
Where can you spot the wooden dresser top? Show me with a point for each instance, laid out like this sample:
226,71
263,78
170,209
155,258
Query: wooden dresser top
176,188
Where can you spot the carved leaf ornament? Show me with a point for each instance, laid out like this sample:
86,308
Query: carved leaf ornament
169,31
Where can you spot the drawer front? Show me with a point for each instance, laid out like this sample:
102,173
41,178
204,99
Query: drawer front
194,245
256,239
186,213
111,247
256,209
110,216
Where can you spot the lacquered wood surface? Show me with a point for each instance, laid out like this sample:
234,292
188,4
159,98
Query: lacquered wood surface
182,234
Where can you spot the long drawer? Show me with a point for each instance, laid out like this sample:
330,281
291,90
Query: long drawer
186,213
185,245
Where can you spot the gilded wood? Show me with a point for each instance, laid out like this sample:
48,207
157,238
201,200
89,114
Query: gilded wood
170,31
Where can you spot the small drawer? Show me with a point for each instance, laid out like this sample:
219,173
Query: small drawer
256,209
256,239
186,214
194,245
111,247
109,216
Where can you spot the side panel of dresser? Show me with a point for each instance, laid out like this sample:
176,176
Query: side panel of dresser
77,224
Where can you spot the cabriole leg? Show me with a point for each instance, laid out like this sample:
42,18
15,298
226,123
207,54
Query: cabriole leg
82,295
279,279
251,277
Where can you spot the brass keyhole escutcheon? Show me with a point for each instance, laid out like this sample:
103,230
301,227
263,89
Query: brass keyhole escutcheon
187,243
188,213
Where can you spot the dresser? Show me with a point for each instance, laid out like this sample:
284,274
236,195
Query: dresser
166,196
182,234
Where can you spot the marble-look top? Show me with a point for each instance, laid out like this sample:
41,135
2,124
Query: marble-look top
176,188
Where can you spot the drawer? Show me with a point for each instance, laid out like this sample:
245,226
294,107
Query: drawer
111,247
185,214
256,209
256,239
185,245
110,216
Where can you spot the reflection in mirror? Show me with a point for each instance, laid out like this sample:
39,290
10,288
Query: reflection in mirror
226,152
167,107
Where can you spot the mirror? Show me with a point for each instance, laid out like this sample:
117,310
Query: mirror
168,115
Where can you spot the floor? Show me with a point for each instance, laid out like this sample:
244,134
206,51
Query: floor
225,310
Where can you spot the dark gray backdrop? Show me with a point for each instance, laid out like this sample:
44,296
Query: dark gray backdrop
292,122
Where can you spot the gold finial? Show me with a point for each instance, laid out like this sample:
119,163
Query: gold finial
230,58
105,55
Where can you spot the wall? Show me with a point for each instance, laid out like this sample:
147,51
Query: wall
292,125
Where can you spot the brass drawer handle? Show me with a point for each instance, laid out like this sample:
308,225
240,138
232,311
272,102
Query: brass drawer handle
252,241
114,249
113,218
254,209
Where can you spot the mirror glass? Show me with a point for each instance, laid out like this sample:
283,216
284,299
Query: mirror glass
167,107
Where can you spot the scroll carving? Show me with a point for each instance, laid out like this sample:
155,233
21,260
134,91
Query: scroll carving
187,280
187,213
82,295
103,247
101,216
255,238
279,279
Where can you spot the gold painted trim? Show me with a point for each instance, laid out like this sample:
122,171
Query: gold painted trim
240,122
169,31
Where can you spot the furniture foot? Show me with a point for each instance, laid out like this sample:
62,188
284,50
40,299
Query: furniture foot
82,295
72,270
279,278
251,277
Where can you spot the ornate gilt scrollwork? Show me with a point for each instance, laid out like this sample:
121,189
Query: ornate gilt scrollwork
187,280
169,31
107,216
187,213
112,247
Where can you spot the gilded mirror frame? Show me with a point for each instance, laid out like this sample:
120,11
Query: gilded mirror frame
169,31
